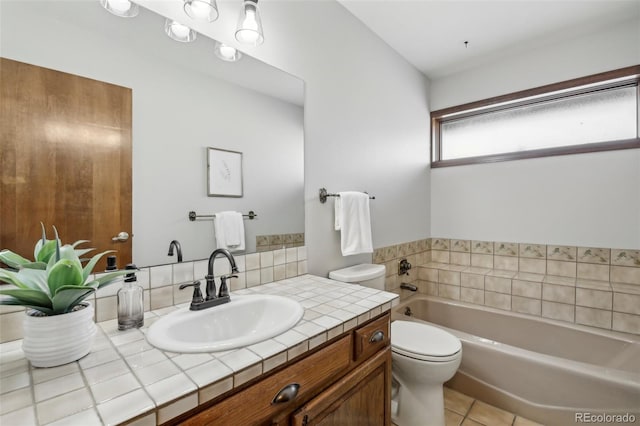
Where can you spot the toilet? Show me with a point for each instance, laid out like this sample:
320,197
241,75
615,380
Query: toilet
423,358
366,275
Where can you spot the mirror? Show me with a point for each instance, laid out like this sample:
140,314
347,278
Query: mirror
185,100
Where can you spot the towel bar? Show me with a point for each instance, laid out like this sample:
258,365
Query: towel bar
192,215
324,194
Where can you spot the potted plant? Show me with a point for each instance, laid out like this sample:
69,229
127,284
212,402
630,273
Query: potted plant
58,326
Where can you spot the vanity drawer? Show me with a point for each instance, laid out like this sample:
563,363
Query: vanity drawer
255,405
371,337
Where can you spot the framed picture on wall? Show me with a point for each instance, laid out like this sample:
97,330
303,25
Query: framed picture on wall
224,171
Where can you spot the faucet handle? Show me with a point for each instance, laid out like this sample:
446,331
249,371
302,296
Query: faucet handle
197,294
224,289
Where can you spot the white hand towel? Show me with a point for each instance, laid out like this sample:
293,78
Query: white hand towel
229,229
338,212
354,222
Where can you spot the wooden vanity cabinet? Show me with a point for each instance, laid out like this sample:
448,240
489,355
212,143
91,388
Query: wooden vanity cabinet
360,398
345,382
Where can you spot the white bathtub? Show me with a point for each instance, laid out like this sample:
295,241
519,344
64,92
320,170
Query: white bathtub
545,370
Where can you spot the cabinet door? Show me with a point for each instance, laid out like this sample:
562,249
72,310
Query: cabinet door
256,405
361,398
370,338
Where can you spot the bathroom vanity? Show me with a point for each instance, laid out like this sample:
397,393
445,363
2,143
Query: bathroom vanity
345,381
332,368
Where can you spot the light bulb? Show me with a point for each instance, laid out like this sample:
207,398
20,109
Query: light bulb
249,29
227,53
249,32
201,10
249,22
121,6
247,37
178,31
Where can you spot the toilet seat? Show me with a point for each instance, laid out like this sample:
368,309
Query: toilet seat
424,342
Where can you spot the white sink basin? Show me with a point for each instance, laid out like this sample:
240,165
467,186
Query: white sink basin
243,321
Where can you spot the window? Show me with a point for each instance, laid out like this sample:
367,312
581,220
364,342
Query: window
589,114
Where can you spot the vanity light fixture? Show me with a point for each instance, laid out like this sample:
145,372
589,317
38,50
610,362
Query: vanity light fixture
201,10
122,8
178,31
227,53
249,30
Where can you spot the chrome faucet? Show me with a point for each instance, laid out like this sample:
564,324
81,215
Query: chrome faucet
197,301
176,244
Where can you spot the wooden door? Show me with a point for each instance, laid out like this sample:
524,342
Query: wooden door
362,398
65,159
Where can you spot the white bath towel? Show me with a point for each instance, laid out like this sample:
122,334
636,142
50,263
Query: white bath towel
353,220
229,229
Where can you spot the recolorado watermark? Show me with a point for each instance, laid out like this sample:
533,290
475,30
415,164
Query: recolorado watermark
587,417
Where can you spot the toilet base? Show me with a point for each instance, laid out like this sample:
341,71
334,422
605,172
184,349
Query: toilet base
421,373
425,408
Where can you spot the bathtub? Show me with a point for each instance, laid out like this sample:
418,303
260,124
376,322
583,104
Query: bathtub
547,371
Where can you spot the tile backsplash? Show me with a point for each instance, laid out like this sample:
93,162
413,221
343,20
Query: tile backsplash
278,241
592,286
161,284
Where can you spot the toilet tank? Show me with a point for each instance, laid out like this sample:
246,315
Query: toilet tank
366,274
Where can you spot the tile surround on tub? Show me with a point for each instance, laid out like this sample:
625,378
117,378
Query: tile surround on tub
461,246
440,244
535,251
505,249
625,257
565,253
594,255
482,260
525,305
561,268
482,247
416,252
567,283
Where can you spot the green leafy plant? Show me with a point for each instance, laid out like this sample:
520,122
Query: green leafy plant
56,281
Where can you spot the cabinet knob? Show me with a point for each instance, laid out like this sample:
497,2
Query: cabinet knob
286,394
376,337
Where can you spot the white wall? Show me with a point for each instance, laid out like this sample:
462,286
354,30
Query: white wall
584,199
366,128
177,114
366,118
587,200
558,60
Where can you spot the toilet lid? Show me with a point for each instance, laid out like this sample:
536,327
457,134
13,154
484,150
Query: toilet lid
423,341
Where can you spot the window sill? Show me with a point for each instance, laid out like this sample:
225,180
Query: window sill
538,153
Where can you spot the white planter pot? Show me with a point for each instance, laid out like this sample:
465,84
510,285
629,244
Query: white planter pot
50,341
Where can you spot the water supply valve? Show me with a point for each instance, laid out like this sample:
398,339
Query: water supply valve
403,267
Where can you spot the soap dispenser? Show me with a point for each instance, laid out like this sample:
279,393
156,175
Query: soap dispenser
130,306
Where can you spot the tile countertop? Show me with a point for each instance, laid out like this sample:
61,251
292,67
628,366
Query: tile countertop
124,378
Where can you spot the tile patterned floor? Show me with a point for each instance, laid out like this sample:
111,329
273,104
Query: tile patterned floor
462,410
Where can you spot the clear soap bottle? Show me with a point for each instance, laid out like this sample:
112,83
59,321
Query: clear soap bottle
130,306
